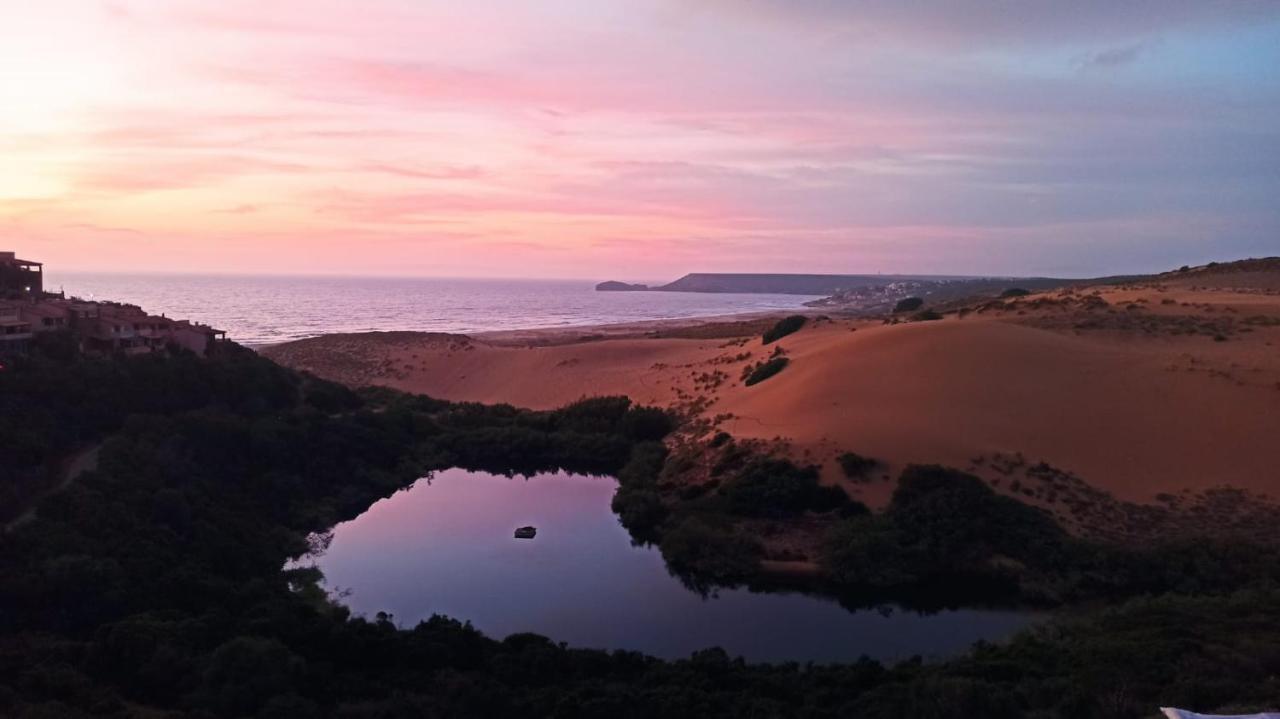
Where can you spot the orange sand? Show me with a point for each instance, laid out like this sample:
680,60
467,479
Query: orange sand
1134,413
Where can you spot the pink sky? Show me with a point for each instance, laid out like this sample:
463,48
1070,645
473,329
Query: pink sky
637,139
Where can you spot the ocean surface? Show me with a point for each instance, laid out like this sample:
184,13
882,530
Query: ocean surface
446,546
258,310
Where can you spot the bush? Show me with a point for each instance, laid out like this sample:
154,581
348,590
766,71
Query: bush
1015,292
640,510
778,488
926,316
704,555
943,523
765,370
856,466
910,304
330,397
646,424
784,327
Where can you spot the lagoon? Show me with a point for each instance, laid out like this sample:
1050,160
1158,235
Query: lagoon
446,546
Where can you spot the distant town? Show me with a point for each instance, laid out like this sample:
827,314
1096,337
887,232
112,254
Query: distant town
29,314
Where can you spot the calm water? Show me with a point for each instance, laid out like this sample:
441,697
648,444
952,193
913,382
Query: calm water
445,546
263,310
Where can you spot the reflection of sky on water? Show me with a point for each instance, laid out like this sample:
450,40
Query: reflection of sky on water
446,547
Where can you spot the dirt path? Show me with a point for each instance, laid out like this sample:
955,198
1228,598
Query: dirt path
86,460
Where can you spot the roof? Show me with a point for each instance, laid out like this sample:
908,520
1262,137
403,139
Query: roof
197,327
46,309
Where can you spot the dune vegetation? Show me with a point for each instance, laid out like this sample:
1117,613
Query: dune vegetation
784,327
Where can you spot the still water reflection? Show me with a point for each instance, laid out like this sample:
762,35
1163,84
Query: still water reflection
445,546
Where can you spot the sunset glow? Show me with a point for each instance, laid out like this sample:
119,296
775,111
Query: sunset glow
637,139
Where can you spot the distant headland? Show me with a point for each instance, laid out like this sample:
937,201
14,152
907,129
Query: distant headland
779,284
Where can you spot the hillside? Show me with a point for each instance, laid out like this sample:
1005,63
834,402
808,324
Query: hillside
1112,387
782,284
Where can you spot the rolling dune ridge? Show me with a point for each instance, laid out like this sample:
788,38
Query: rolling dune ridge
1139,390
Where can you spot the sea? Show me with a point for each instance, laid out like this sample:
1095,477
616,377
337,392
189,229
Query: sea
258,310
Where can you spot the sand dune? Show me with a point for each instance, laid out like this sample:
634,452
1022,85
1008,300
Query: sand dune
947,392
1135,406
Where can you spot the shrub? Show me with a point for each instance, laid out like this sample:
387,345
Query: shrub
614,415
639,510
330,397
703,555
926,316
784,327
644,465
778,488
856,466
765,370
646,424
910,304
1015,292
943,523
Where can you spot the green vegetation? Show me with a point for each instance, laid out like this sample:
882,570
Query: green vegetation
637,502
705,555
784,327
855,466
152,587
1014,292
762,371
947,527
942,525
909,304
777,488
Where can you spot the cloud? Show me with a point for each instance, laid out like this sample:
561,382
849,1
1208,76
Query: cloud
725,132
114,175
979,23
1114,57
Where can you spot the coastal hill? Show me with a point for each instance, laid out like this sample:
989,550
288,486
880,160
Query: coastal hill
788,284
1111,386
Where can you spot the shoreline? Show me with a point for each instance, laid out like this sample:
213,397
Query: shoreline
699,327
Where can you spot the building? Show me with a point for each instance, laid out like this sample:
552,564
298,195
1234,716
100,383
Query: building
47,316
100,328
196,337
20,278
15,331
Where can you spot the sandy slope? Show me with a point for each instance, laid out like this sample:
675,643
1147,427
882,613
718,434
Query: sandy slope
1110,411
1132,406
